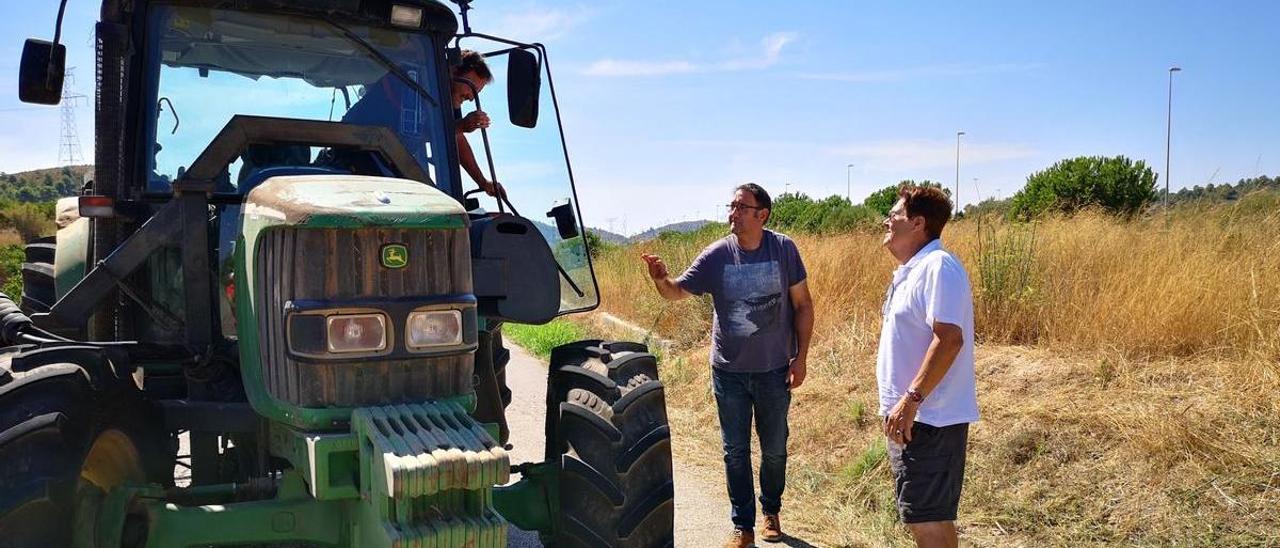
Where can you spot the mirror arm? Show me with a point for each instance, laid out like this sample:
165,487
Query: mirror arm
566,277
57,30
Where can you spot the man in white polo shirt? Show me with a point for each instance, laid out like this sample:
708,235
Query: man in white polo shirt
925,367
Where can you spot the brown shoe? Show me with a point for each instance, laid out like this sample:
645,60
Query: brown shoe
772,531
741,538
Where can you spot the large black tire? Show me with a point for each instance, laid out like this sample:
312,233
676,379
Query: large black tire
55,405
38,290
607,428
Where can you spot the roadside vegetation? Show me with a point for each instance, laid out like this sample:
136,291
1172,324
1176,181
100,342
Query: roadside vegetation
540,339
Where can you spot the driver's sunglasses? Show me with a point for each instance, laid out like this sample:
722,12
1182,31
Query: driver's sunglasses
739,205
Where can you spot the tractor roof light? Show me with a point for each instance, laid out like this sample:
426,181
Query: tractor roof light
406,16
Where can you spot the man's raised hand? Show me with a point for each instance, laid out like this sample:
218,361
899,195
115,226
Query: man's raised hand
657,269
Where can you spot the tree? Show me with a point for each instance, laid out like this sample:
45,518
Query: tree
881,201
595,244
1116,184
796,212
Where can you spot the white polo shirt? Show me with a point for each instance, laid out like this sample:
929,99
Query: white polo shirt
932,287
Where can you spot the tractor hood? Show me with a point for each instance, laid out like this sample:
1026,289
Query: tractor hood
350,201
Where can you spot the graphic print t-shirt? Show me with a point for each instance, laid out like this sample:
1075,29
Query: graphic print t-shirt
753,329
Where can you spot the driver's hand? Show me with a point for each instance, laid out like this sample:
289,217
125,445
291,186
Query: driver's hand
493,189
475,120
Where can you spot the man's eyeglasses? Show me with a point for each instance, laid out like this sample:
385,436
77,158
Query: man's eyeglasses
739,205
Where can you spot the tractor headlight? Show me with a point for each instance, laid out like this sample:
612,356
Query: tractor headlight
356,333
319,335
434,328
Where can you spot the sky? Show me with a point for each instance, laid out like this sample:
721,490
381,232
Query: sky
667,106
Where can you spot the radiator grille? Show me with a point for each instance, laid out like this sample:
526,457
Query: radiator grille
345,264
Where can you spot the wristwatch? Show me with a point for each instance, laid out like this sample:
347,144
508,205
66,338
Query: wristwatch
914,396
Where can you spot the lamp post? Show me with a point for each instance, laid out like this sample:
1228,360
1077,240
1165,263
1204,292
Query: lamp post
957,195
1168,138
848,182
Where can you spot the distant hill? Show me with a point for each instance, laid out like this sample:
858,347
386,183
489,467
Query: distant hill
683,226
42,185
608,236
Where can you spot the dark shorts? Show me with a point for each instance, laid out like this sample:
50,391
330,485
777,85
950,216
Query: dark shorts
929,471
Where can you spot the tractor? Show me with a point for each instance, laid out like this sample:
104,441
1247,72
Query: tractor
301,309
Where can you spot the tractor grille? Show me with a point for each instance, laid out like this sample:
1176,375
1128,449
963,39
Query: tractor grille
344,265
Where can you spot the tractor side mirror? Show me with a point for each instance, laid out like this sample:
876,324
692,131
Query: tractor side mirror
40,77
566,224
524,80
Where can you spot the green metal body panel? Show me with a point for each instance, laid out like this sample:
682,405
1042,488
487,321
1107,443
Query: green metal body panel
292,516
533,502
322,201
404,475
73,254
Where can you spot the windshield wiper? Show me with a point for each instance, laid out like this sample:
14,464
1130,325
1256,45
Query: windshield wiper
384,61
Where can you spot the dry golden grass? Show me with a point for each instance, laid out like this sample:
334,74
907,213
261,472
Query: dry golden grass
1127,382
9,236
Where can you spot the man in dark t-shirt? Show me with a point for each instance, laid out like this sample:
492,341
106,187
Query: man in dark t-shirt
760,342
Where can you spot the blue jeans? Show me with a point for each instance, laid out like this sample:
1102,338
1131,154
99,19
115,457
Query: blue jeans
738,397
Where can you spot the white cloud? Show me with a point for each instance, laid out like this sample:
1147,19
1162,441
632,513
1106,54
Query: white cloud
917,155
536,23
611,67
925,72
768,56
772,48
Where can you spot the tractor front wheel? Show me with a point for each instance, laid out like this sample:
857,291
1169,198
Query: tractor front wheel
69,432
607,428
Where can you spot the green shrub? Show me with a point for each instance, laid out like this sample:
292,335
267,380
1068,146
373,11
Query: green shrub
30,220
11,257
1117,184
798,213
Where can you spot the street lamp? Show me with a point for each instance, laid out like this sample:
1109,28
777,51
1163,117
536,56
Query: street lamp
1168,137
848,182
957,196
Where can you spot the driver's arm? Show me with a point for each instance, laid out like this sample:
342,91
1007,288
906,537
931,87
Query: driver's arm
467,159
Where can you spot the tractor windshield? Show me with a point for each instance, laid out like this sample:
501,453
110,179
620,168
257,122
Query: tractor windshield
213,64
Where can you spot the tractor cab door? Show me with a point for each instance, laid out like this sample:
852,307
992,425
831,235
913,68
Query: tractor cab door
524,150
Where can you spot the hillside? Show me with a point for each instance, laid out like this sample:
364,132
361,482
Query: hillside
681,227
607,236
42,185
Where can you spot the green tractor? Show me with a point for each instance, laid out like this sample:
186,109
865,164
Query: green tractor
302,307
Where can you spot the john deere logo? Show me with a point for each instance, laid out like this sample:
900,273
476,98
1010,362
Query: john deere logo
395,256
